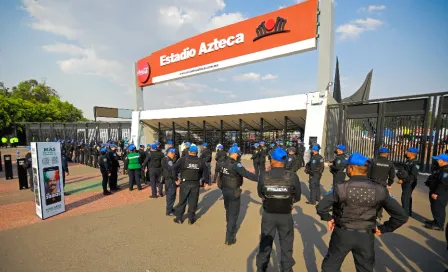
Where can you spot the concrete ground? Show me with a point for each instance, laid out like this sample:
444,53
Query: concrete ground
130,232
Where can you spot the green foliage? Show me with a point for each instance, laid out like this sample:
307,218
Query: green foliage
31,101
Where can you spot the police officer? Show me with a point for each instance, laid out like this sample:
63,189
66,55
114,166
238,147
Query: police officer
408,179
96,154
191,169
279,189
65,170
145,155
220,157
292,163
337,167
86,154
381,170
169,145
255,158
272,147
170,180
314,169
105,168
185,151
154,164
355,204
300,153
262,157
29,167
206,156
115,165
92,153
438,194
231,174
134,164
77,152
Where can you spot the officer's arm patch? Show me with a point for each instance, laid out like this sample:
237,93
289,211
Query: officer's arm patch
239,165
313,161
445,175
417,166
290,159
170,163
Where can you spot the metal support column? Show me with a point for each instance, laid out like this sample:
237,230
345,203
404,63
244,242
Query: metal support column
63,132
40,133
51,131
108,131
86,131
423,145
174,135
120,133
261,129
240,140
188,131
285,133
159,132
435,151
204,129
221,125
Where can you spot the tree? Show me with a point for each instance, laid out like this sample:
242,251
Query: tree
31,101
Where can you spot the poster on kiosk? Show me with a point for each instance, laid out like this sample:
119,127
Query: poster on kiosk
48,186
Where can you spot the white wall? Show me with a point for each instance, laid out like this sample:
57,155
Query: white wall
315,120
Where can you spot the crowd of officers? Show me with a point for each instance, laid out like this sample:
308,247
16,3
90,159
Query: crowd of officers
12,142
351,207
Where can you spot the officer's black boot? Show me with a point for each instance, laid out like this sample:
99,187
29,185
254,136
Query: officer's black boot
178,220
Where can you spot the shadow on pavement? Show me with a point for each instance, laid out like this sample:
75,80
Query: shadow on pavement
311,231
418,217
207,201
245,200
274,261
84,201
85,188
80,179
406,250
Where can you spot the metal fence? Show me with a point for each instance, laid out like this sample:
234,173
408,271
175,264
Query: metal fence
86,132
397,123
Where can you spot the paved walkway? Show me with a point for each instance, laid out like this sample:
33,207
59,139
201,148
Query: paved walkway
129,232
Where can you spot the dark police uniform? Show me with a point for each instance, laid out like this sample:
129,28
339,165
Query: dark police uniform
220,157
185,151
191,169
206,157
355,206
338,169
144,155
81,153
86,154
115,165
279,189
292,163
256,155
230,180
300,151
409,177
105,165
314,168
96,154
438,184
77,149
170,185
262,159
382,171
154,162
29,169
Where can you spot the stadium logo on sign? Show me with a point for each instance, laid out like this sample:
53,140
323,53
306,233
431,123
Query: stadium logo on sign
271,27
143,71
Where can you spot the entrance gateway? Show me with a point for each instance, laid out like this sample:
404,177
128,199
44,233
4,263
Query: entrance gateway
284,32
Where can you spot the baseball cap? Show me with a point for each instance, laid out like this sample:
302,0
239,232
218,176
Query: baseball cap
279,154
220,146
235,144
170,142
234,149
315,148
28,148
172,150
341,147
256,144
104,150
443,157
413,150
154,146
148,145
187,143
262,142
356,159
383,150
204,144
193,148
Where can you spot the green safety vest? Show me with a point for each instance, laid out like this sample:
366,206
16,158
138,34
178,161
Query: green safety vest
134,162
16,140
11,140
4,140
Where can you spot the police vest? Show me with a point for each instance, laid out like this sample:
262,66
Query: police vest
156,159
278,193
380,170
134,161
359,202
190,169
167,171
221,155
230,179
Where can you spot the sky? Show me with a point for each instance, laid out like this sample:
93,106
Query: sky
86,49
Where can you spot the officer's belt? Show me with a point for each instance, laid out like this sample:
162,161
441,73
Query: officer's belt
355,230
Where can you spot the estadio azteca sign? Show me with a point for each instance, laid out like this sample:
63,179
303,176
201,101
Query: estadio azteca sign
283,32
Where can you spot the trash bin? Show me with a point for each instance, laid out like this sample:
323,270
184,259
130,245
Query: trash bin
22,174
8,166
